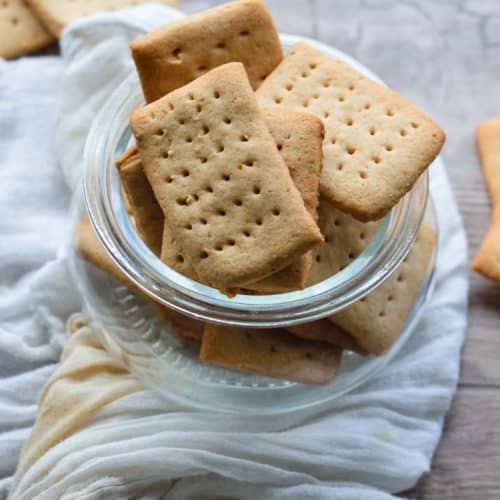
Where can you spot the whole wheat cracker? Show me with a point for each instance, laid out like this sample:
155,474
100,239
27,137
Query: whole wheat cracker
148,216
345,239
179,52
325,331
20,31
218,176
376,142
376,320
271,353
298,137
57,14
487,258
89,247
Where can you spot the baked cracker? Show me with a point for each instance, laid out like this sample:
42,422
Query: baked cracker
90,248
271,353
180,52
345,239
325,331
57,14
298,137
376,320
487,258
148,216
20,31
218,176
376,142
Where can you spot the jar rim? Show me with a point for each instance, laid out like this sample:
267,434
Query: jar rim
109,136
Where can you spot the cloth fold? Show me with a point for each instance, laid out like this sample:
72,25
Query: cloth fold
109,437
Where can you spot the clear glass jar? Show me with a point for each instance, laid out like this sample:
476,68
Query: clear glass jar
133,333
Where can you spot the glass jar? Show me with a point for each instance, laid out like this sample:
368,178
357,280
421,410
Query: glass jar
131,330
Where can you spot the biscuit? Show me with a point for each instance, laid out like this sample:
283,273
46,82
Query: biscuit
487,258
325,331
345,239
146,212
376,320
271,353
299,137
180,52
20,31
90,248
57,14
376,142
216,172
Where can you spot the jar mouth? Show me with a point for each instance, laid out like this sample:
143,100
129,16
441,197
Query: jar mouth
110,135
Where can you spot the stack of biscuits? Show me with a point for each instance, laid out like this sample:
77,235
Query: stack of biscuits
259,172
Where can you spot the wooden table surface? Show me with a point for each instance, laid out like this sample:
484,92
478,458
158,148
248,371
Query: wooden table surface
467,461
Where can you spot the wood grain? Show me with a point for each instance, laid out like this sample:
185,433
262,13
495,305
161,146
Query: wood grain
466,465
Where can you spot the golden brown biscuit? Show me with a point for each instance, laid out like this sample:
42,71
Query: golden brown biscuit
180,52
218,176
20,31
146,212
57,14
376,320
487,259
271,353
376,142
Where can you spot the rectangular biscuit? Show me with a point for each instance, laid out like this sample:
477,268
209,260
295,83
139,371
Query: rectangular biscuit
57,14
345,239
322,331
298,137
487,258
180,52
220,180
376,142
271,353
376,320
20,31
488,145
147,214
89,247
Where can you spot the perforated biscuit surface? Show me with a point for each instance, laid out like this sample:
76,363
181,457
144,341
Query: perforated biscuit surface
217,174
376,143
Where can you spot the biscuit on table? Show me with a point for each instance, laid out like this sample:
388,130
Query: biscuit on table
57,14
271,353
179,52
147,214
376,320
487,258
90,248
376,142
20,31
216,172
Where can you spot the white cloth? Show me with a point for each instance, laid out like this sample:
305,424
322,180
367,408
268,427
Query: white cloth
382,435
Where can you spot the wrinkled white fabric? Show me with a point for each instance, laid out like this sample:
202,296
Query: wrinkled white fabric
382,435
